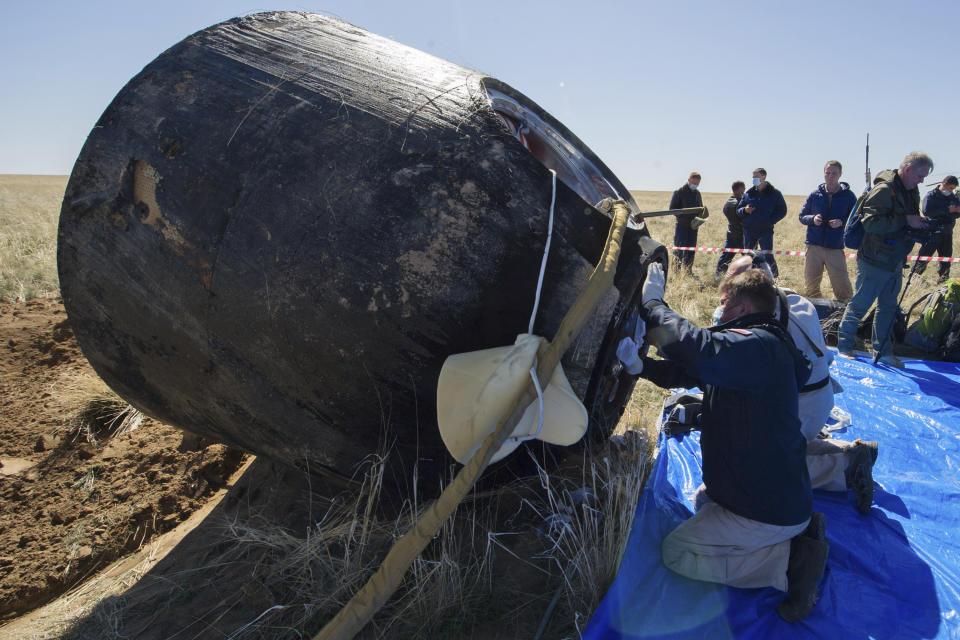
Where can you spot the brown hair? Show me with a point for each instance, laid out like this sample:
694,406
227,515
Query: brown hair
754,286
833,163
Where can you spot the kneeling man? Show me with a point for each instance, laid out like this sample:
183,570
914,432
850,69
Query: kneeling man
753,525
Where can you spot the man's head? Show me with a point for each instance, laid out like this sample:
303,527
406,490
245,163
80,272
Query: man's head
749,292
759,177
831,175
914,169
738,188
694,180
948,185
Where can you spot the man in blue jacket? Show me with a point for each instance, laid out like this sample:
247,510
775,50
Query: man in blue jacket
762,207
685,234
825,213
753,525
942,204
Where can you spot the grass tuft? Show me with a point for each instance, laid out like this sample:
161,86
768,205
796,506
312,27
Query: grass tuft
91,411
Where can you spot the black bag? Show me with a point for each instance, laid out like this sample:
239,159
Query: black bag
865,328
830,313
950,347
853,230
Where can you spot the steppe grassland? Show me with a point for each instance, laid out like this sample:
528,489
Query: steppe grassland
29,209
587,553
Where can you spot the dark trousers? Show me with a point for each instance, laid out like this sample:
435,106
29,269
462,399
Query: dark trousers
943,248
752,238
734,241
684,237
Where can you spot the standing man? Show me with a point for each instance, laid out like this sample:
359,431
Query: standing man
734,227
753,525
825,213
942,204
685,235
889,209
762,207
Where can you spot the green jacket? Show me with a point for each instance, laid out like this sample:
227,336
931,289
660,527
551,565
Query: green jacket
885,243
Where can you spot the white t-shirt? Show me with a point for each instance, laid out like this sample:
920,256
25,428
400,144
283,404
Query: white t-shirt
804,320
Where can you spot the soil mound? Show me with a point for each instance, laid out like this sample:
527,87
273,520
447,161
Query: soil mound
77,491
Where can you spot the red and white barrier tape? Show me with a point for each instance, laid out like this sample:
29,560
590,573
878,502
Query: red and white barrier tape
780,252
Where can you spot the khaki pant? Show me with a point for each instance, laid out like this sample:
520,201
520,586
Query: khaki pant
826,459
716,545
827,464
836,263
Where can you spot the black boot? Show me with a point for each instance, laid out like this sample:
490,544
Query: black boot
817,529
808,559
862,455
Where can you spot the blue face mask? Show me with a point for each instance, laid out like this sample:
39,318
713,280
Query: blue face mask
693,187
756,182
716,315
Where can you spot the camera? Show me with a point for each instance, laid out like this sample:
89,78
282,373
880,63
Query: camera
931,232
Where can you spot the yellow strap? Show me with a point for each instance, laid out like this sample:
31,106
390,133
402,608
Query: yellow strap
381,585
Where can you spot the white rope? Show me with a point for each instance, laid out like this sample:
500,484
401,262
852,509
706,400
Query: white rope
546,250
536,385
533,316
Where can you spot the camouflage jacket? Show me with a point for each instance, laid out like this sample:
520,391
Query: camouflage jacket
885,242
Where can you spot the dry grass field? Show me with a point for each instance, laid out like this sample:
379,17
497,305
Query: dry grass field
529,557
29,209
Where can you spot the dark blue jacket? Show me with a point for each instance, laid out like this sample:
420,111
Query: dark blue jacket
836,208
937,205
754,455
771,208
684,198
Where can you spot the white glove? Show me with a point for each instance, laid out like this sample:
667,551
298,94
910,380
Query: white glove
696,222
655,283
629,355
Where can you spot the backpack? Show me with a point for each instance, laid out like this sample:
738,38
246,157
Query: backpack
939,311
853,230
940,308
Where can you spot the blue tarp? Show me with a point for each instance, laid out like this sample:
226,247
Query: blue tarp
894,573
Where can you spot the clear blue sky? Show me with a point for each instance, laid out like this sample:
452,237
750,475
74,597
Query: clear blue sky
656,89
